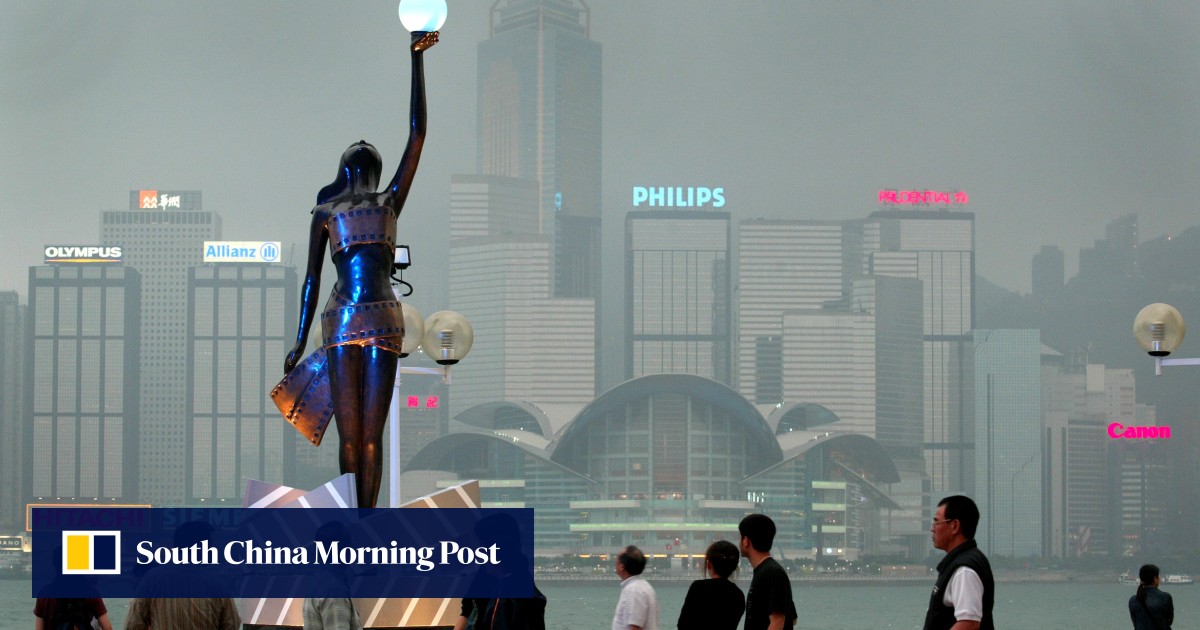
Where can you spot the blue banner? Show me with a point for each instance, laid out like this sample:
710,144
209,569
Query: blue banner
272,552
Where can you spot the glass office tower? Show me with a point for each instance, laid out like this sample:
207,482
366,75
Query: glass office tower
678,294
1008,422
12,421
937,248
240,325
82,383
539,118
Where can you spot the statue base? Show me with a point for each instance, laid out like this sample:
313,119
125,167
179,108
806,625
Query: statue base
374,612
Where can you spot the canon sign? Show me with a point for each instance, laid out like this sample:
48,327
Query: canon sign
76,254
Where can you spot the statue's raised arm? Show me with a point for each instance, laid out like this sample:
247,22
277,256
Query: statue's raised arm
397,190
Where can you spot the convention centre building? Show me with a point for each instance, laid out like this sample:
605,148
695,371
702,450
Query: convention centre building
671,462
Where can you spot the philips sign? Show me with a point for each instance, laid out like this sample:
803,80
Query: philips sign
81,254
242,251
678,197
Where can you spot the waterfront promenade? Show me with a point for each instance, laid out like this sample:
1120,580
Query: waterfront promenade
851,579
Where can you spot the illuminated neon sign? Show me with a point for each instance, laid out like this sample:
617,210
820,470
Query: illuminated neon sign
922,197
75,254
242,251
431,402
678,197
151,199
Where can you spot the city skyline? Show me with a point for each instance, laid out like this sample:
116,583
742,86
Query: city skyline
899,245
876,329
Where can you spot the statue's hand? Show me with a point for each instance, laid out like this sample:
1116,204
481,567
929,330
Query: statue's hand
293,358
421,42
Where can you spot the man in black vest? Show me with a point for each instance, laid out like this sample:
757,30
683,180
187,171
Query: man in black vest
962,597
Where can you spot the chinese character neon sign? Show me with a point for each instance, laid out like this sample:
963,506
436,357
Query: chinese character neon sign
922,197
431,402
151,199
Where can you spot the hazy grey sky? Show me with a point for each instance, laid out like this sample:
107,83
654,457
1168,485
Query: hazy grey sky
1054,117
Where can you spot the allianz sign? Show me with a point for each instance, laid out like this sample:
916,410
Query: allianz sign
242,251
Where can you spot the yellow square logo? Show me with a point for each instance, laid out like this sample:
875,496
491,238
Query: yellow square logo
91,552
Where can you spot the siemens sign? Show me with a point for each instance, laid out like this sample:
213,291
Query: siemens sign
241,251
76,254
678,197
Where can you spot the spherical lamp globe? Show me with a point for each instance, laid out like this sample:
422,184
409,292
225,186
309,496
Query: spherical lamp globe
422,16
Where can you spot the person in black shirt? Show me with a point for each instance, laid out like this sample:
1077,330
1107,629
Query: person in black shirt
716,603
769,605
1150,608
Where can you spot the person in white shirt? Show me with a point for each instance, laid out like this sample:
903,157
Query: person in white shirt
637,608
963,595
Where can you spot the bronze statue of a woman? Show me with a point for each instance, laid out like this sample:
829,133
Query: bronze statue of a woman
362,325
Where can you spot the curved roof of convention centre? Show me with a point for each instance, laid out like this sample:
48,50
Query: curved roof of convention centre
718,394
484,415
788,432
866,451
788,417
433,455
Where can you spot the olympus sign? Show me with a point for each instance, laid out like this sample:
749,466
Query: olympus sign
242,251
75,254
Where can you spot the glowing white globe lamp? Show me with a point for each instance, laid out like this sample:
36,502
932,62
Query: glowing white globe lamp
422,16
448,337
1159,329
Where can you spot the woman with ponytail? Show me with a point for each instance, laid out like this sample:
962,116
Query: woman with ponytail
1150,608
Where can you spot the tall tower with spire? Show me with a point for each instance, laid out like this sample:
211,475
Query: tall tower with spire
539,118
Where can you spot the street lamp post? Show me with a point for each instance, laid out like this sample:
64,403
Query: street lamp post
446,337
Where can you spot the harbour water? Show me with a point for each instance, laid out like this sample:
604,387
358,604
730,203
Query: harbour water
589,605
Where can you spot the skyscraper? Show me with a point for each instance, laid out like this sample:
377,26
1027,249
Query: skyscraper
937,248
1082,492
483,205
239,327
815,326
1008,465
528,345
160,236
678,293
1048,273
12,396
82,383
539,118
782,266
1141,499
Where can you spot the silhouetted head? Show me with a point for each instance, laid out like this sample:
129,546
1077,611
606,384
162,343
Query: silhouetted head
358,171
1147,574
757,530
723,557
